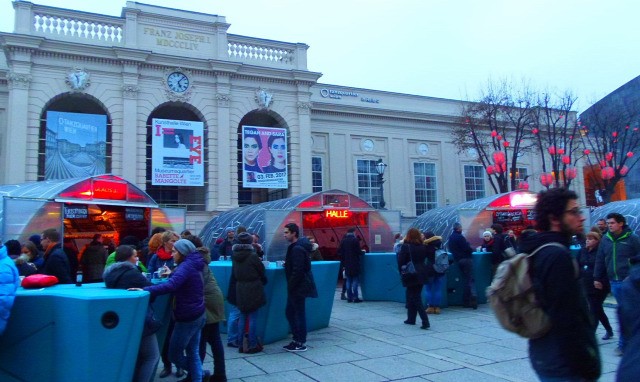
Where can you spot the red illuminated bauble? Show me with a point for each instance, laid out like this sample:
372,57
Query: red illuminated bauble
566,159
627,127
609,156
494,133
603,163
499,137
571,172
629,154
607,173
490,170
560,151
498,157
546,179
587,151
552,150
535,131
505,144
523,185
614,134
624,170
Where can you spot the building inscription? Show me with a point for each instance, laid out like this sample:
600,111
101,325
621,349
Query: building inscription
177,39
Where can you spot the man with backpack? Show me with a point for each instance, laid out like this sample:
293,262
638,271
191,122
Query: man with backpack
437,276
569,350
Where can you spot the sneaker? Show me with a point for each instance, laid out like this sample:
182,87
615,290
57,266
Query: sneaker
254,350
165,372
343,297
618,351
607,336
298,348
290,347
179,372
357,300
474,302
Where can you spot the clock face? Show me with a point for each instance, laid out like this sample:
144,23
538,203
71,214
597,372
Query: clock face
178,82
423,149
367,144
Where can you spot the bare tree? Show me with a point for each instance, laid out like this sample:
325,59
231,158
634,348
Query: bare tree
497,127
611,139
557,138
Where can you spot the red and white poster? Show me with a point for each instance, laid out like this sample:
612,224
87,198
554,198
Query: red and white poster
264,157
177,153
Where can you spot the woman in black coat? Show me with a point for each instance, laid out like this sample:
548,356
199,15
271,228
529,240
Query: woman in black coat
414,250
587,261
249,272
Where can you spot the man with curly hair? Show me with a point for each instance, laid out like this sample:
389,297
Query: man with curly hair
569,351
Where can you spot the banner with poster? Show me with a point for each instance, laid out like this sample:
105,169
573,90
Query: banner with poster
264,157
176,153
76,145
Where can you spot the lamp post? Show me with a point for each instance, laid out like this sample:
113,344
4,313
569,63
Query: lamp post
380,167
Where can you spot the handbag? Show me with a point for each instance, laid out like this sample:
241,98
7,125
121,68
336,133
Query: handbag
408,272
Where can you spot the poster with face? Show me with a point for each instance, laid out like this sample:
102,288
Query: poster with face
76,145
264,157
177,155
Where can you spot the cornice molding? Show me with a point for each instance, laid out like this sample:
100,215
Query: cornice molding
19,81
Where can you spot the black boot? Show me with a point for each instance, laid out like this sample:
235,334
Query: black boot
343,296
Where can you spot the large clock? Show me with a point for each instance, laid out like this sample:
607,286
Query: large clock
178,82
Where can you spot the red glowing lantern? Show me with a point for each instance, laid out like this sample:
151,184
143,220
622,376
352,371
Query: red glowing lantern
624,170
560,117
571,172
629,154
614,134
490,170
587,151
535,131
503,168
498,157
552,150
546,179
499,137
505,143
560,151
627,127
603,164
609,156
494,133
566,159
607,173
523,185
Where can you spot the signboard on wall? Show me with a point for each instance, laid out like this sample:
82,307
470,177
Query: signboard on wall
264,157
76,145
177,154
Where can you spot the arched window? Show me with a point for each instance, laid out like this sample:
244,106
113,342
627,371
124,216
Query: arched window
191,198
75,138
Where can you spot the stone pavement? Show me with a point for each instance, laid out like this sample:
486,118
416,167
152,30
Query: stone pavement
369,342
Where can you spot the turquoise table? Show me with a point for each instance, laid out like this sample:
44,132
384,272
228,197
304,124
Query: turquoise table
380,279
272,324
69,333
481,274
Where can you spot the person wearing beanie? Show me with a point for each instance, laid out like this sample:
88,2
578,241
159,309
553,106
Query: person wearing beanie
185,283
249,273
225,248
487,244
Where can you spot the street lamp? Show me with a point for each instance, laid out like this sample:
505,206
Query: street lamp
380,167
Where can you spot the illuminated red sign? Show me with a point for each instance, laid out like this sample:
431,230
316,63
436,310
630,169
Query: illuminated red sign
337,214
103,189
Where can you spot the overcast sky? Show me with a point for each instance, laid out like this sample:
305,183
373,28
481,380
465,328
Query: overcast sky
436,48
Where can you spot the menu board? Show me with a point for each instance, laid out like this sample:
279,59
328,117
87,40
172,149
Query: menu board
508,216
76,212
531,214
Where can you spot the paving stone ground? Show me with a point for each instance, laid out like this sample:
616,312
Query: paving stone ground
368,342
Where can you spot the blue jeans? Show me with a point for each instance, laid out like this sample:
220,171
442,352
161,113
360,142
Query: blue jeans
616,290
211,335
433,290
148,356
242,324
468,282
297,318
233,336
352,288
186,336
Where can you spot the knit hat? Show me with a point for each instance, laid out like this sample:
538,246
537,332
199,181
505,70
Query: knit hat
245,238
185,247
488,233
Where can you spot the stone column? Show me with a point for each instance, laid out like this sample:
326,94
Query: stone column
302,171
15,140
221,185
132,156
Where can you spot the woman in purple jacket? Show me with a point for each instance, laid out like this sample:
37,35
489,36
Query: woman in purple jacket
186,284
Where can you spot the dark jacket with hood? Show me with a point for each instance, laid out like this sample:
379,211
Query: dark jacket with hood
186,284
213,297
350,253
614,253
297,268
629,367
499,245
56,264
93,261
249,273
459,246
570,348
124,275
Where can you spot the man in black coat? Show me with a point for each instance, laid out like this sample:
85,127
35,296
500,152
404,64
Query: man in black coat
55,260
462,254
350,252
569,351
300,285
